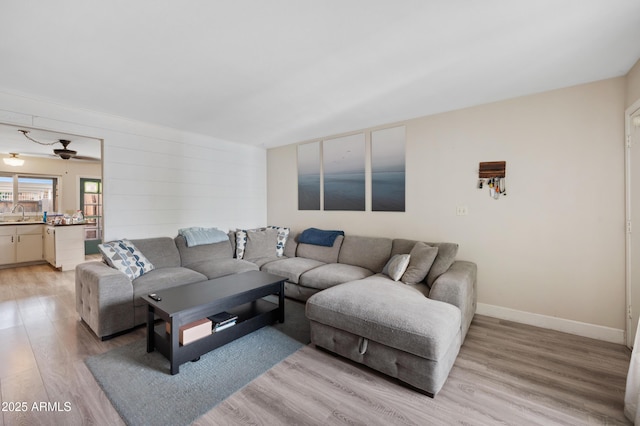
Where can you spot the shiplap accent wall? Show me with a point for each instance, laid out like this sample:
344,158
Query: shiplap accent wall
156,179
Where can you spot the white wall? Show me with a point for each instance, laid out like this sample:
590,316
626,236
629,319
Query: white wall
157,180
554,246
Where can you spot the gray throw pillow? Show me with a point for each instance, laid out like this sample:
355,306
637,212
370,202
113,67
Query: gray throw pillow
422,257
445,258
261,243
396,266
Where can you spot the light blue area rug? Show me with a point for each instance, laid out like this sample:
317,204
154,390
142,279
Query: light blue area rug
139,385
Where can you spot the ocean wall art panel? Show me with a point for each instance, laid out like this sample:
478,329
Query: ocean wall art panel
388,170
343,162
309,176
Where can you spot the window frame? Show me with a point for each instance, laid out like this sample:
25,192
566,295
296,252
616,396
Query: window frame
16,187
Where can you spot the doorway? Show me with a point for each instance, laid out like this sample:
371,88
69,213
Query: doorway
91,207
632,166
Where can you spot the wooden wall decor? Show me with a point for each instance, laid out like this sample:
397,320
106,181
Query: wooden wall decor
492,169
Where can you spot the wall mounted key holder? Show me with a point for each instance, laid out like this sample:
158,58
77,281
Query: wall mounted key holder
493,175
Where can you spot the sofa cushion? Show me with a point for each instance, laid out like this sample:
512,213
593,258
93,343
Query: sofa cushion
232,240
421,287
162,278
443,261
396,266
126,258
321,253
421,258
291,245
369,252
261,243
291,268
260,261
221,267
326,276
160,251
204,252
390,313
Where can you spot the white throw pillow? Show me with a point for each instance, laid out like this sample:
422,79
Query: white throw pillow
396,266
241,243
283,233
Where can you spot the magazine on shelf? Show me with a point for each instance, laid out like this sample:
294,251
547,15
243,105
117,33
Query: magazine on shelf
219,327
223,320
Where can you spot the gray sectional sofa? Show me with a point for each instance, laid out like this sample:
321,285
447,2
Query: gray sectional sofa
412,332
110,303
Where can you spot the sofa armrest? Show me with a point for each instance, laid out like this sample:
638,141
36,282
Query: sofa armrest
457,286
104,298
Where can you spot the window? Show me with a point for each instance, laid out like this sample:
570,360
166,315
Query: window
6,193
36,194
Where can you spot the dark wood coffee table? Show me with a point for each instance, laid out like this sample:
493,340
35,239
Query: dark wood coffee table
240,294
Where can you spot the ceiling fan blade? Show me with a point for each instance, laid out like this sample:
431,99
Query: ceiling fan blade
85,158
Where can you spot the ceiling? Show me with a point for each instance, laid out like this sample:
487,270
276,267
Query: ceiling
270,73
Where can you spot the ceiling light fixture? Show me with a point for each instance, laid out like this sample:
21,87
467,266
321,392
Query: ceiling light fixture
13,160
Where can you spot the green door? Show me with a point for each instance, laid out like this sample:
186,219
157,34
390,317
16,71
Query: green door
91,206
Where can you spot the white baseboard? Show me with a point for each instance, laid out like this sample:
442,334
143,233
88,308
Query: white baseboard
578,328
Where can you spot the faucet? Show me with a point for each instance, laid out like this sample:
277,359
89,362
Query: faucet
16,207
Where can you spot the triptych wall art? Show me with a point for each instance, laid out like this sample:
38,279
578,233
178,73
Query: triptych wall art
339,180
309,176
388,170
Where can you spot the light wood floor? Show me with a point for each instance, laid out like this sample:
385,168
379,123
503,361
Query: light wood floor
506,373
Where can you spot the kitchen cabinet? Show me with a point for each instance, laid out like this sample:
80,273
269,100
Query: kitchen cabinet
7,245
29,243
21,243
64,246
49,245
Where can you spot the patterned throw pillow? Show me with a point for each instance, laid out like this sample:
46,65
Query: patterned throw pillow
125,257
283,234
396,266
241,242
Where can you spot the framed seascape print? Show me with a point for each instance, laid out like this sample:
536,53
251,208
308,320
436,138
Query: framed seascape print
343,160
388,170
309,176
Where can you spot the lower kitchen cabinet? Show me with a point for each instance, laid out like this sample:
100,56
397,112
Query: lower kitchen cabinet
19,244
7,245
29,243
64,246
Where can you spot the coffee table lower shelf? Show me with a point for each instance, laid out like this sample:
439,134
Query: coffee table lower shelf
244,294
251,317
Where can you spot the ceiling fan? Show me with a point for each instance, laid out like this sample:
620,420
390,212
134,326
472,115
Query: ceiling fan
65,153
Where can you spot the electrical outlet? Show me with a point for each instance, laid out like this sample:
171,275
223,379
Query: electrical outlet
462,210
